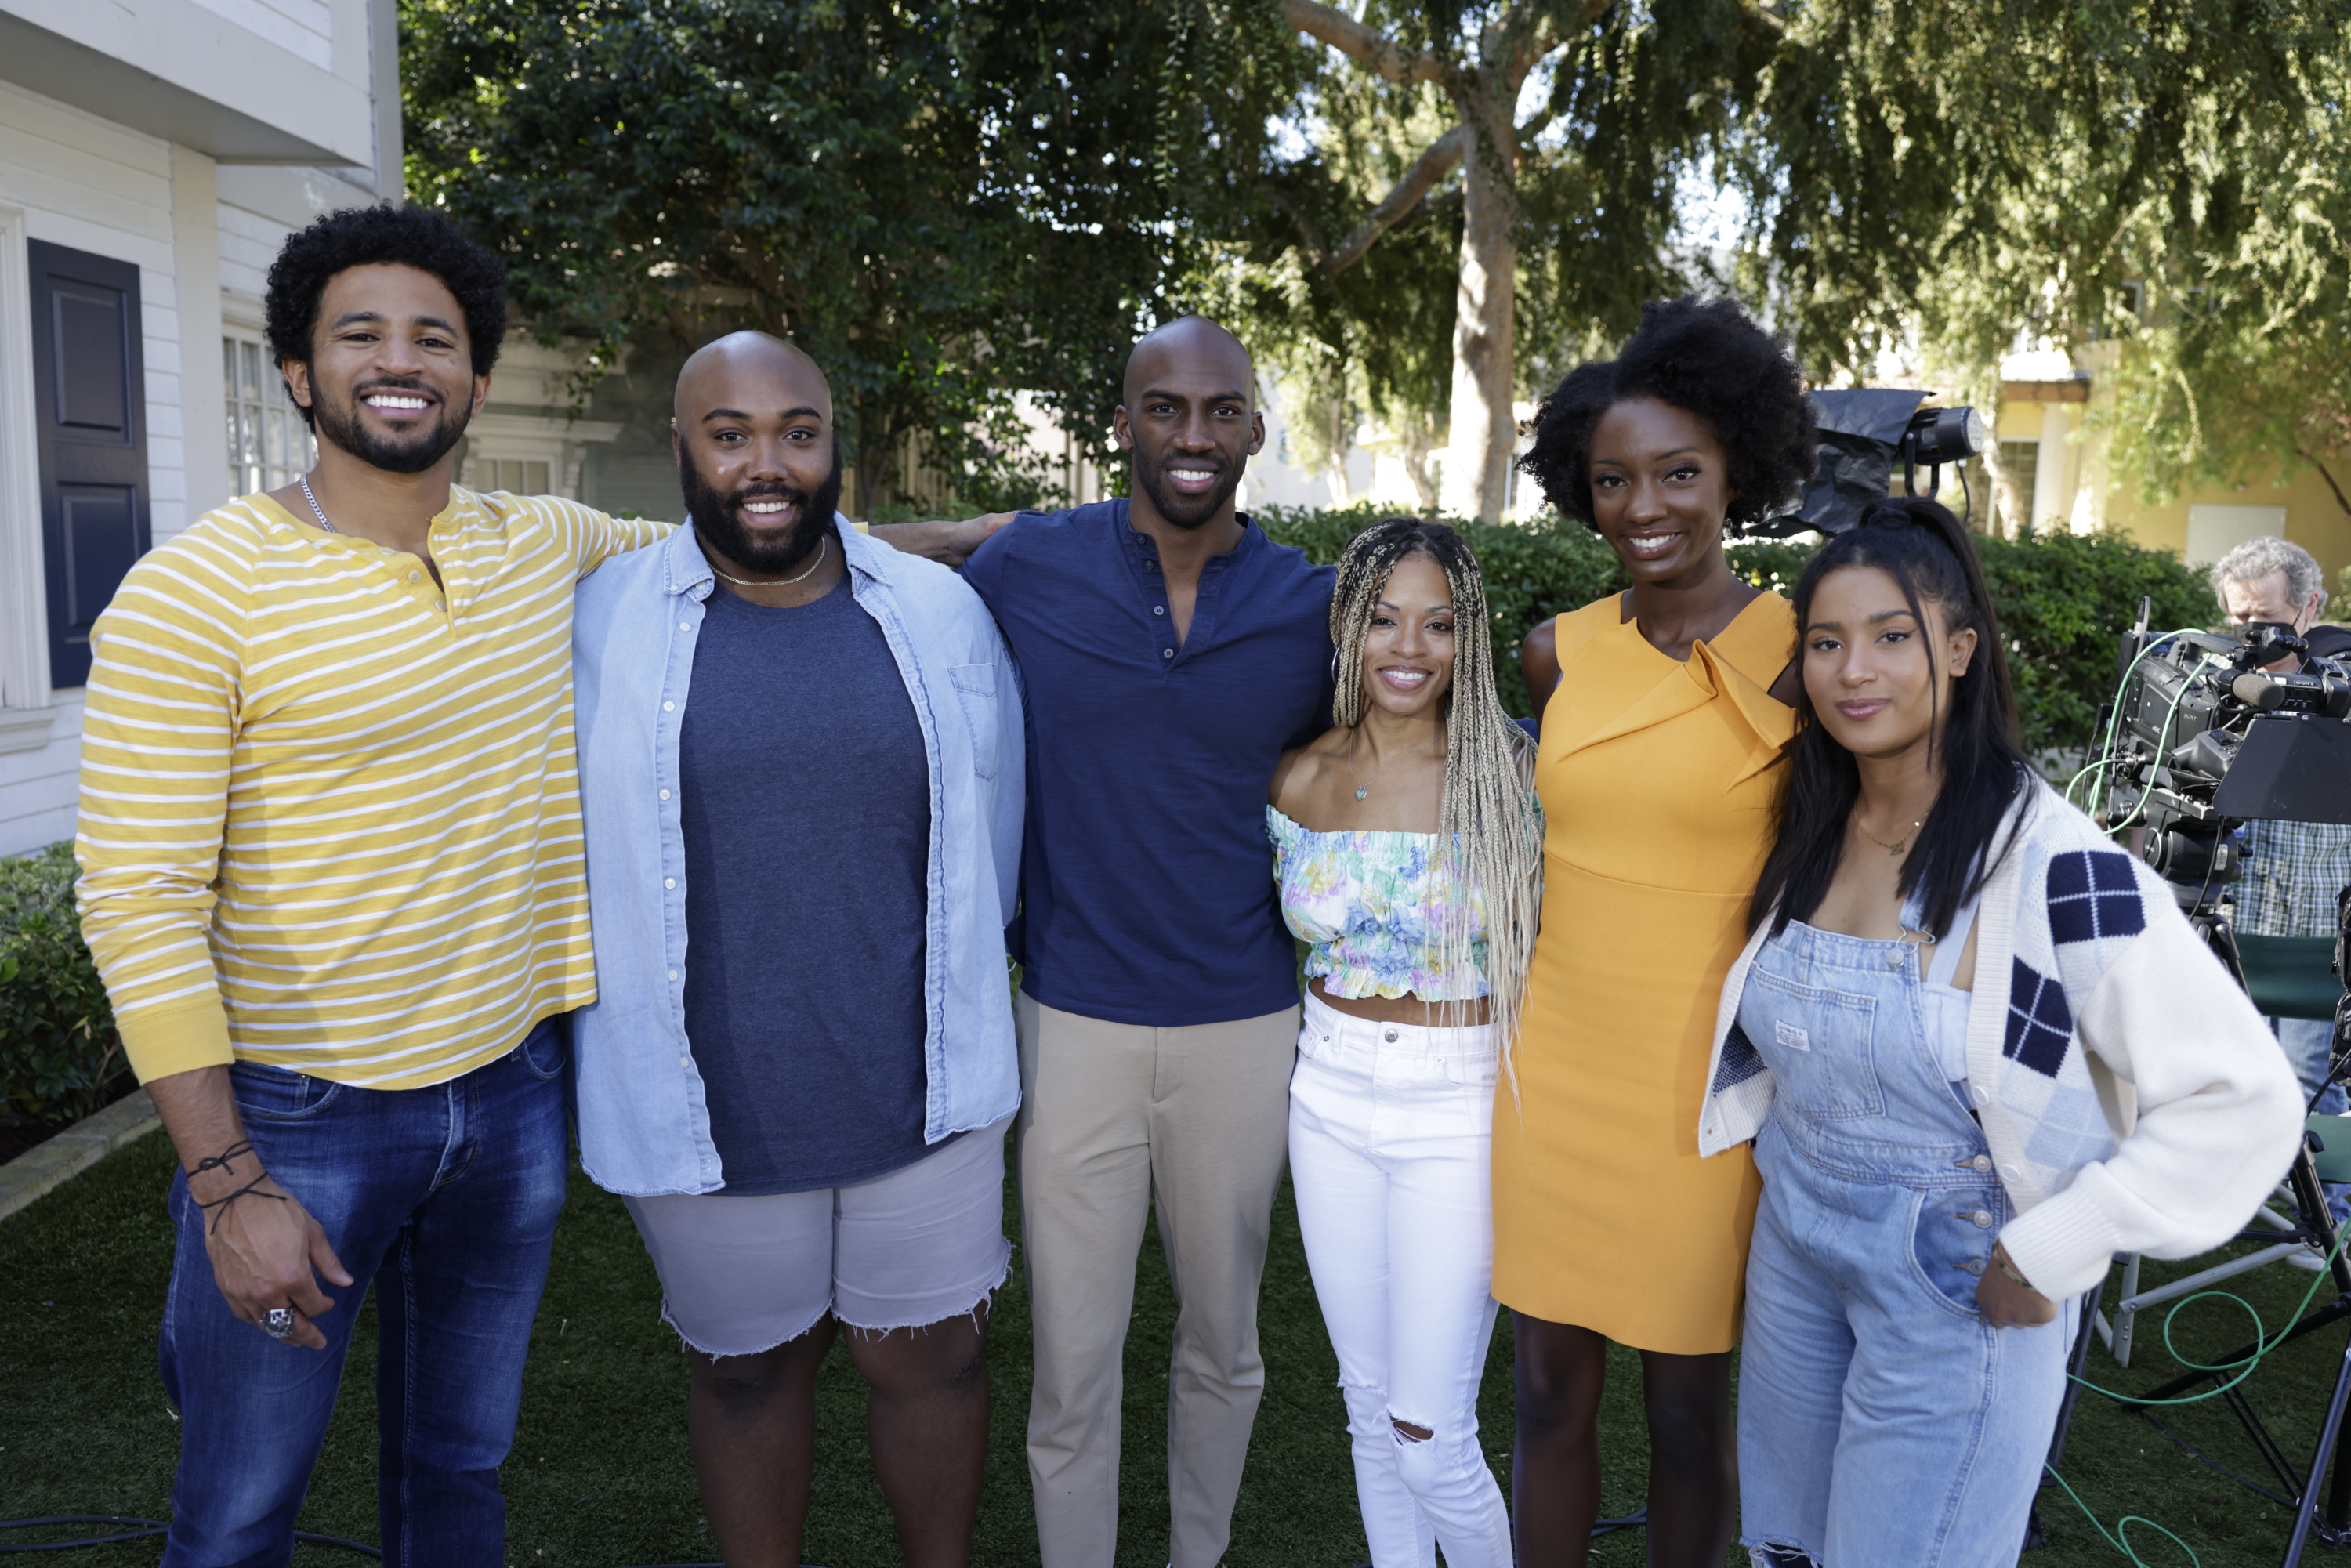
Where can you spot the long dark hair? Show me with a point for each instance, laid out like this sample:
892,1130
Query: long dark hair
1925,550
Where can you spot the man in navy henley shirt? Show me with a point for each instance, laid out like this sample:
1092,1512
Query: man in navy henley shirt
1170,653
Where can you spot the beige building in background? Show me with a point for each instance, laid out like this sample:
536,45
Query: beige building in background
2059,463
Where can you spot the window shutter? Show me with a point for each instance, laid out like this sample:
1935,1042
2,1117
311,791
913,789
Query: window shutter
90,405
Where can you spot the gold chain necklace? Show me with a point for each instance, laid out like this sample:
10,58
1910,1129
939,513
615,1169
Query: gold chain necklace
822,545
1897,846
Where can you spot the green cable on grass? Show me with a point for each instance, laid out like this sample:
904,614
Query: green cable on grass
2120,1537
2262,1342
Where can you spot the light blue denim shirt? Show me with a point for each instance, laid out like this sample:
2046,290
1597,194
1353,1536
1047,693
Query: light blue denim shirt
644,1126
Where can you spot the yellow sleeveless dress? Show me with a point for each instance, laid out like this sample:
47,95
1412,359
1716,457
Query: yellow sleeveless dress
1657,779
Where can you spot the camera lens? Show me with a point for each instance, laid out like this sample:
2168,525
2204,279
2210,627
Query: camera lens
1947,435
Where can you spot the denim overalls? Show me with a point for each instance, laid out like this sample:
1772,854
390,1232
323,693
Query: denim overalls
1881,1420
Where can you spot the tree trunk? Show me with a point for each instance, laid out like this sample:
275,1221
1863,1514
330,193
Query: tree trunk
873,464
2005,503
1419,435
1485,429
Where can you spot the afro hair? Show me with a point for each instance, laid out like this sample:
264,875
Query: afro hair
1707,358
403,236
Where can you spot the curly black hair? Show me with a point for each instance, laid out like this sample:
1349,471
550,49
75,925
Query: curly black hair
406,235
1709,359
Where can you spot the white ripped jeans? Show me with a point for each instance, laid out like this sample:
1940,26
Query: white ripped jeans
1390,1144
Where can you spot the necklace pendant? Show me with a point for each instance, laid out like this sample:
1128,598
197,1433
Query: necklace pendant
1897,846
1362,791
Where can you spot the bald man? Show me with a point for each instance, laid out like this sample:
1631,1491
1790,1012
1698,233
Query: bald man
800,766
1171,651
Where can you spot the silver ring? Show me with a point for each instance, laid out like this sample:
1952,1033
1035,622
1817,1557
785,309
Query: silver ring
278,1322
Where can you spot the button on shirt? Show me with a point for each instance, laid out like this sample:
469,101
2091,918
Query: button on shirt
1146,883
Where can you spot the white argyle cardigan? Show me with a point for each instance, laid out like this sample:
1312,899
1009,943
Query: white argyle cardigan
2132,1098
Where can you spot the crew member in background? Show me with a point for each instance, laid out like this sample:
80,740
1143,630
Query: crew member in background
1172,652
2292,870
330,872
803,763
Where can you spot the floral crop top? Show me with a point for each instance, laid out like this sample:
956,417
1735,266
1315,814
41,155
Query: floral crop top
1368,904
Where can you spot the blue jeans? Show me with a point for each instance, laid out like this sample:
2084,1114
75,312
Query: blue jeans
2309,1047
2308,1044
446,1199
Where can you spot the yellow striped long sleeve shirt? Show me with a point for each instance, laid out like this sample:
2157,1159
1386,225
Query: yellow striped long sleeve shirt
329,807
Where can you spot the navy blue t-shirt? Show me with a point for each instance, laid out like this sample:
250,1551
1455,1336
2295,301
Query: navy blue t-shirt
806,808
1147,879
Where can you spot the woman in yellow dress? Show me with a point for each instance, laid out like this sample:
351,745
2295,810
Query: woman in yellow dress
1661,736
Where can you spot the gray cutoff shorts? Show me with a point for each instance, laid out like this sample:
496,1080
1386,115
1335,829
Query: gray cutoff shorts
918,1245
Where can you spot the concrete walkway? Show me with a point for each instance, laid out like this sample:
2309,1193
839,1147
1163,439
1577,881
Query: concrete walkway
74,1150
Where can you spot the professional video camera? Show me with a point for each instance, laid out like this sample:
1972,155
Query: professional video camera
2201,736
1865,432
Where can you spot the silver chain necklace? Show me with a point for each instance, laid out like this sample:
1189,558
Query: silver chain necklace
822,546
315,510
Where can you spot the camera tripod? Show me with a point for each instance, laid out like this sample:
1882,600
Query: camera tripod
2313,1224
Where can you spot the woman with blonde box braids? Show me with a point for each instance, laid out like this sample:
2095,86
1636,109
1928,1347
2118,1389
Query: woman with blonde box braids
1407,843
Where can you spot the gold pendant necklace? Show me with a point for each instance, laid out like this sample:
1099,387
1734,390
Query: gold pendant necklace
1897,846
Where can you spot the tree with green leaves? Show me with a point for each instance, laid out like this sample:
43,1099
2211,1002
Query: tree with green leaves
1440,226
1421,209
1930,179
2167,180
945,206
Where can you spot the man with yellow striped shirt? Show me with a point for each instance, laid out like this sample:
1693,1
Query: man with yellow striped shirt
332,874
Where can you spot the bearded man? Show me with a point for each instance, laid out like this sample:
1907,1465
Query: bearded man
331,875
1171,652
801,754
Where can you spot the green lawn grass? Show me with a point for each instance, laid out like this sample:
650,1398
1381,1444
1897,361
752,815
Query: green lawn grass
599,1475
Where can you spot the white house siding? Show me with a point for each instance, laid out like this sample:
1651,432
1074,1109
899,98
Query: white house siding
38,789
92,184
303,28
258,208
248,244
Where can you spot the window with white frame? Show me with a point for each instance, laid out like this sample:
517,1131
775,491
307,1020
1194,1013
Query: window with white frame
269,444
2022,461
516,476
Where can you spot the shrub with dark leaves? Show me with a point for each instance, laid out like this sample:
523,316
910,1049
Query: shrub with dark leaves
60,1054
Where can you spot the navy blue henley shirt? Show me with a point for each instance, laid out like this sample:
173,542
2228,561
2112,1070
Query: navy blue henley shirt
1146,881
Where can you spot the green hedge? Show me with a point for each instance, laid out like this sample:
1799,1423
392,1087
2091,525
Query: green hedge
60,1054
2063,599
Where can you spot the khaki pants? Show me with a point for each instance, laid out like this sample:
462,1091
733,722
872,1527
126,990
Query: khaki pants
1115,1117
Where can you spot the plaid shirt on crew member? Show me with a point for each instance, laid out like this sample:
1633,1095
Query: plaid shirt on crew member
2292,872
